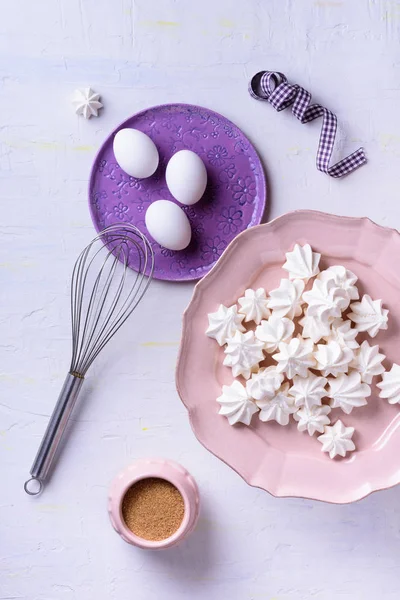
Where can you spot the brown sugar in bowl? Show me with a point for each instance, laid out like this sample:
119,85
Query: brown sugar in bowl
153,509
153,503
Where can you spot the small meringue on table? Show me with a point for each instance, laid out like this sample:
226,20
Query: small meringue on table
274,331
224,323
308,391
348,392
333,359
336,439
264,384
254,305
243,353
278,408
390,385
368,362
236,405
86,102
368,315
286,300
295,357
302,262
313,418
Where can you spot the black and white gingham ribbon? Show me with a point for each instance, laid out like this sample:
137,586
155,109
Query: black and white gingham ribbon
273,87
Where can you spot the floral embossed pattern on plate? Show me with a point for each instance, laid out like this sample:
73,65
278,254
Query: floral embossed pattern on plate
234,199
267,455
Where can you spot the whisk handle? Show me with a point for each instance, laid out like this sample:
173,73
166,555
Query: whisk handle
54,432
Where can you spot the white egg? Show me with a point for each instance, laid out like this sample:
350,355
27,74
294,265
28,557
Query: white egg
135,153
186,177
168,225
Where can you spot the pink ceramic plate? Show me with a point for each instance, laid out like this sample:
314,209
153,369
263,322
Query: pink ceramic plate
280,459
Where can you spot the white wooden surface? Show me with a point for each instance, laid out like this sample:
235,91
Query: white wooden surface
137,53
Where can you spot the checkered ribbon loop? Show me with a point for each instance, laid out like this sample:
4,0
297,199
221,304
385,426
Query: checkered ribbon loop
273,87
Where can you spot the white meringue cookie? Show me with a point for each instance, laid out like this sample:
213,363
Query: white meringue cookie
333,359
302,262
368,362
286,301
86,102
243,353
295,357
313,418
278,408
264,384
254,305
343,333
336,439
348,392
368,315
314,328
224,323
273,331
342,278
236,405
338,353
390,385
325,300
308,391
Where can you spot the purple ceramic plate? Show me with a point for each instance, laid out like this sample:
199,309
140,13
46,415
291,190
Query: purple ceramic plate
233,201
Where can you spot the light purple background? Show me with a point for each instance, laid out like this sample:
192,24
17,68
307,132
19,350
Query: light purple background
248,546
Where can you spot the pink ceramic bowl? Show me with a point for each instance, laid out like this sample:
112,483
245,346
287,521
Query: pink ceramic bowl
162,469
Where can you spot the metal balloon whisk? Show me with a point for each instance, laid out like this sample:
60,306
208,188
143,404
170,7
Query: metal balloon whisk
104,293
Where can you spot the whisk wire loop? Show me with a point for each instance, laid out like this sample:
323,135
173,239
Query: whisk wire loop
97,315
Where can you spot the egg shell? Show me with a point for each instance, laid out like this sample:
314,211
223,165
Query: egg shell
135,153
186,177
168,225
